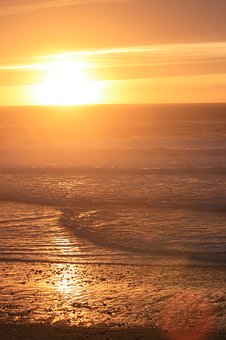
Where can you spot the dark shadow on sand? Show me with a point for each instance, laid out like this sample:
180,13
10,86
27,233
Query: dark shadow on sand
44,332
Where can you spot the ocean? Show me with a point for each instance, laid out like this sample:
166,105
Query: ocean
127,186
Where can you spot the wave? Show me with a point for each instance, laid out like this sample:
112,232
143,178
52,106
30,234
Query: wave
25,219
157,212
86,170
161,229
132,230
214,204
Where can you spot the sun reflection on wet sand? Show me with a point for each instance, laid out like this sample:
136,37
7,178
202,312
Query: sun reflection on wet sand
114,296
67,282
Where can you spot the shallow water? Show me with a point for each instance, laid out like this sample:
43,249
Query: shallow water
155,215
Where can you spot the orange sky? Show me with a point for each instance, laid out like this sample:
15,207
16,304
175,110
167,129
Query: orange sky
136,51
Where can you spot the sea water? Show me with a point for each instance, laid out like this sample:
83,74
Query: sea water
154,186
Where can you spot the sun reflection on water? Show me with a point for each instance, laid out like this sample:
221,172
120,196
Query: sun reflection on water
65,246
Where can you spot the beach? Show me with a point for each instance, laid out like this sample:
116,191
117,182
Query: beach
48,332
130,244
111,301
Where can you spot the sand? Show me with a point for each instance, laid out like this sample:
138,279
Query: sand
14,332
49,332
90,301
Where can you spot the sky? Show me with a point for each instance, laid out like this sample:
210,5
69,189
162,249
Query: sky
65,52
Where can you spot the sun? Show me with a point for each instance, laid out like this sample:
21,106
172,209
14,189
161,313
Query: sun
67,83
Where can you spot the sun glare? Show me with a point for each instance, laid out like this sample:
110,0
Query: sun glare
67,83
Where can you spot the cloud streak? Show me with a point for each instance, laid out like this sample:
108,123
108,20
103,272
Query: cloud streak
152,54
165,54
33,6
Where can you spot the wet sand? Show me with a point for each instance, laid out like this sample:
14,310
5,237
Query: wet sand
94,301
49,332
24,332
